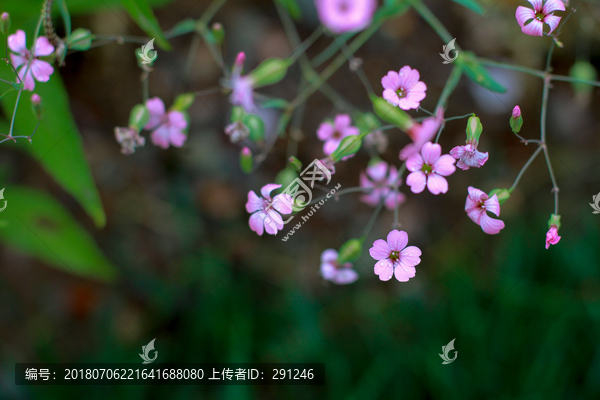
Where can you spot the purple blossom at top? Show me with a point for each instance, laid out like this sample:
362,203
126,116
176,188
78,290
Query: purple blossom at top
341,16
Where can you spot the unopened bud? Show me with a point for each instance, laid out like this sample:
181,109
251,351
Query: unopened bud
294,162
269,72
5,23
139,117
389,113
246,161
36,106
474,129
80,39
350,251
516,120
218,32
347,147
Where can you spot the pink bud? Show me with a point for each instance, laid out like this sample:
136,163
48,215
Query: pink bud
36,99
4,16
240,59
516,113
552,236
246,151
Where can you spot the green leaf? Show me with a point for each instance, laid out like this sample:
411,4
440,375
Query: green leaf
185,26
39,226
66,17
142,14
472,5
27,9
57,144
292,7
183,102
477,73
275,103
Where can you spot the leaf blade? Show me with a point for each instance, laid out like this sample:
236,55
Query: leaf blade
141,13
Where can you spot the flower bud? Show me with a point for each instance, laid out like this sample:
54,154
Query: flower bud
391,114
474,129
5,23
350,250
246,161
256,126
36,105
237,113
139,117
183,102
218,32
80,39
269,72
516,121
294,162
502,194
554,220
286,176
585,71
347,147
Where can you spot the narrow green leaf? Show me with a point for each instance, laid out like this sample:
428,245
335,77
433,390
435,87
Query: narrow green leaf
472,5
66,17
185,26
142,14
275,103
39,226
477,73
292,7
57,144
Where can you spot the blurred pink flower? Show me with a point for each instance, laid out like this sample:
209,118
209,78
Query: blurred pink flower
429,168
403,88
265,211
422,133
36,99
242,86
332,134
332,271
38,70
167,127
341,16
468,156
377,177
394,257
129,139
540,15
476,206
552,236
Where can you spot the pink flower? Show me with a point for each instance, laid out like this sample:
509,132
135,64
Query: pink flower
394,258
468,156
38,70
422,133
476,206
264,210
167,127
377,178
243,86
552,236
332,271
403,88
540,15
332,134
341,16
429,168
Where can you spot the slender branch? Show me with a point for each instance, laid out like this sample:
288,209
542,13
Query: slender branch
451,84
432,20
527,164
373,218
555,188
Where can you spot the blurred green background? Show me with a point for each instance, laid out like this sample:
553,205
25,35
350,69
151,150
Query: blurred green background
185,268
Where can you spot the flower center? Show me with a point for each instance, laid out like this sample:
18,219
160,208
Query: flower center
482,204
394,255
539,16
401,93
426,169
344,7
337,135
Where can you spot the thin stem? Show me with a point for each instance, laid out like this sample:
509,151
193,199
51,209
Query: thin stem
302,47
191,56
451,84
341,192
12,122
526,70
210,12
120,39
461,117
331,49
145,86
575,80
527,164
552,177
373,219
432,20
425,111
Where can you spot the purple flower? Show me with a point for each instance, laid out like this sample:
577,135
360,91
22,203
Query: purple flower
477,205
242,86
332,134
394,258
38,70
265,211
403,88
422,133
468,156
341,16
167,127
430,168
377,177
540,15
332,271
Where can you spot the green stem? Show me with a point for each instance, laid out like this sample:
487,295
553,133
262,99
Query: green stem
451,84
432,20
331,49
526,70
341,192
210,12
373,219
527,164
461,117
553,178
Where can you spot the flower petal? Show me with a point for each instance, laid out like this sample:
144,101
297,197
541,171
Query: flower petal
342,121
156,108
552,21
18,42
391,97
404,272
160,137
534,28
523,15
391,81
437,184
553,5
254,203
328,271
431,152
490,225
493,205
410,256
380,250
325,131
267,189
283,203
397,240
384,269
345,276
414,163
416,181
43,47
329,255
444,165
378,171
41,70
256,222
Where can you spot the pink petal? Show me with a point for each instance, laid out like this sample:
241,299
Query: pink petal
378,171
553,5
342,121
431,152
283,203
256,223
475,214
397,240
156,108
408,77
552,21
537,4
437,184
408,104
365,182
391,97
534,28
345,276
476,194
410,256
350,130
444,165
177,120
391,81
325,131
41,70
28,81
416,181
274,217
43,47
393,176
404,272
329,255
254,203
330,146
523,15
380,250
328,271
490,225
267,189
18,42
457,152
17,60
160,136
385,270
493,205
414,163
177,137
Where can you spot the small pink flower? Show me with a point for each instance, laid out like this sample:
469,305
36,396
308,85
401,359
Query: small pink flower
36,99
341,16
429,168
476,206
167,127
377,177
38,70
403,88
540,15
393,257
265,211
332,271
516,112
552,236
468,156
422,133
332,134
242,86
